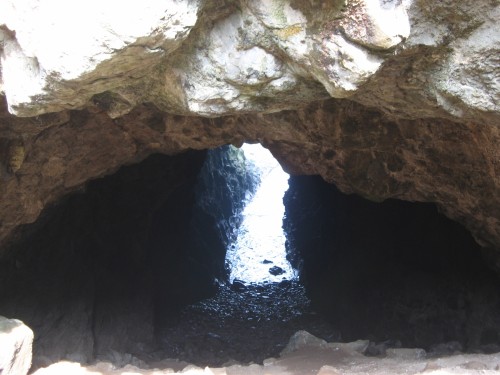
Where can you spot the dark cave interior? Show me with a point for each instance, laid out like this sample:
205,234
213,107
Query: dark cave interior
107,267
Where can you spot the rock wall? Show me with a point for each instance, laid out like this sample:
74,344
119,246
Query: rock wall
225,183
208,57
391,271
100,272
16,341
359,149
387,99
200,236
81,274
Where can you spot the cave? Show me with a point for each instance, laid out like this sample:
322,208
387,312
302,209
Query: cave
109,272
124,186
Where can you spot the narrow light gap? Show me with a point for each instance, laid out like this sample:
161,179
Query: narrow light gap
252,317
258,255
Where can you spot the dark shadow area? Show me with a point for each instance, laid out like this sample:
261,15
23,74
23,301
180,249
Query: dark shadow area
98,273
246,325
132,269
80,277
199,224
391,271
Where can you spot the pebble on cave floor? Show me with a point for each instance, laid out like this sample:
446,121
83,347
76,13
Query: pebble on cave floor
248,325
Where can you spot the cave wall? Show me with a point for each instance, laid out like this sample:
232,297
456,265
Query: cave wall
360,149
201,233
80,276
94,274
404,109
225,183
390,271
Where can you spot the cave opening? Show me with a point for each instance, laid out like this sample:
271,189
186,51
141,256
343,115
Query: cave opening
259,303
133,269
258,253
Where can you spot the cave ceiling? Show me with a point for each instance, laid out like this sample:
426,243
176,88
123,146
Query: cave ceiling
385,99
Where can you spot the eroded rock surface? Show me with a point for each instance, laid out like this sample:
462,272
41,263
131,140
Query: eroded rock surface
16,340
307,354
97,274
385,99
420,83
359,149
212,58
396,272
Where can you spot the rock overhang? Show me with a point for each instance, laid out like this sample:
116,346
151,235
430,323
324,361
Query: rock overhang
413,90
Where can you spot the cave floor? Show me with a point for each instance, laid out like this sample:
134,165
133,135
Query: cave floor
262,330
310,359
243,326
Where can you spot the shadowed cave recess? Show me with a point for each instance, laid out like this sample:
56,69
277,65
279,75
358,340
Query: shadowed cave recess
124,191
132,269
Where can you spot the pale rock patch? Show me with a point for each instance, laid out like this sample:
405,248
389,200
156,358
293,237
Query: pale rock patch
16,341
51,43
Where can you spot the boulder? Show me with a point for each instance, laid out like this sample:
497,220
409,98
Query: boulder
402,109
303,339
16,340
276,271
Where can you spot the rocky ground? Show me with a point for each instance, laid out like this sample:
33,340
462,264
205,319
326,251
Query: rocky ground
246,329
306,354
244,324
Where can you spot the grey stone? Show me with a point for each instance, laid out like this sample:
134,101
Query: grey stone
406,354
16,340
358,346
303,339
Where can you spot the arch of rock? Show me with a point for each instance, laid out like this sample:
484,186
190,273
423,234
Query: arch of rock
397,99
385,99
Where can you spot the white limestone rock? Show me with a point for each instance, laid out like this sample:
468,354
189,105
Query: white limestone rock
470,76
233,69
464,80
303,339
249,55
332,42
16,341
47,44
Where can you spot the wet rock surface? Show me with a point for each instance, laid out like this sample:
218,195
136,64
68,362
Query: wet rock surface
246,325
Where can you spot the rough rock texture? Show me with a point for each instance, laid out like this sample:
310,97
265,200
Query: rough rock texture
390,271
386,99
416,87
307,354
16,340
81,274
96,274
212,57
225,183
359,149
431,71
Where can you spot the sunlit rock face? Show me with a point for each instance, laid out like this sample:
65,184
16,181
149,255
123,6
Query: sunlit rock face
387,99
212,58
257,254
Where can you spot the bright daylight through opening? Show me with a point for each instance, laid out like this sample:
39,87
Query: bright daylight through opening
258,254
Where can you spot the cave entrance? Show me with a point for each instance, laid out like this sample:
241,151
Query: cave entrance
261,302
133,267
258,254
